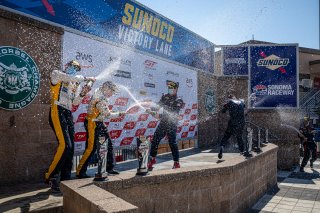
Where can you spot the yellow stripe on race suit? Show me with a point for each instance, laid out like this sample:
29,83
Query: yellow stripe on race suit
91,133
55,89
88,151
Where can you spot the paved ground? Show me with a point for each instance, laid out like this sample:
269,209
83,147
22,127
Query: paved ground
297,192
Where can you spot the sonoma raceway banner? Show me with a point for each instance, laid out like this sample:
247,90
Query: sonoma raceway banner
142,81
235,60
273,76
124,22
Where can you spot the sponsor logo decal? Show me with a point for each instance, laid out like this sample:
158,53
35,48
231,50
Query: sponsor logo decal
140,132
151,65
152,124
115,134
129,125
189,82
82,117
19,78
113,59
126,141
121,101
80,136
273,62
260,89
122,74
143,117
173,73
149,85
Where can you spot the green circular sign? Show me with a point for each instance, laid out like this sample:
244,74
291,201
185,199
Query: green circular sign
19,78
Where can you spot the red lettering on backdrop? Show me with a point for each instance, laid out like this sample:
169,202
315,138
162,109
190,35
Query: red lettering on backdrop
143,117
115,134
191,128
121,101
184,134
140,132
126,141
86,99
187,111
193,117
129,125
133,110
152,124
80,136
82,117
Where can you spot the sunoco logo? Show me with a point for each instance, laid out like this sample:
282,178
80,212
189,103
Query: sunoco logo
273,62
19,78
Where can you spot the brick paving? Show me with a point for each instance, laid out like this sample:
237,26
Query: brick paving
296,192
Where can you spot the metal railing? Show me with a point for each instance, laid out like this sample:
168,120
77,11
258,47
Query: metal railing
312,105
307,96
256,135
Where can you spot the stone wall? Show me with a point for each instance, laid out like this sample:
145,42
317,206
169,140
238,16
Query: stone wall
232,186
212,129
27,143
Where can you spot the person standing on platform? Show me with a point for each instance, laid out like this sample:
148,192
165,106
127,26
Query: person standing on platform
236,108
64,95
171,105
307,133
98,111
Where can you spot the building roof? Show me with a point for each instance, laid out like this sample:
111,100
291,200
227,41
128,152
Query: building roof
301,49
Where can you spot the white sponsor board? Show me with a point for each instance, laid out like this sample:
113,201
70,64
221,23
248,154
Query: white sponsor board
142,81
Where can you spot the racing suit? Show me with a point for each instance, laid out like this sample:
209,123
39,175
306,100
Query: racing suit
309,145
65,93
236,122
168,125
97,111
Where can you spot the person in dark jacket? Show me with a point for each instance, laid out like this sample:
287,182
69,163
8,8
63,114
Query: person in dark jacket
170,104
309,146
236,122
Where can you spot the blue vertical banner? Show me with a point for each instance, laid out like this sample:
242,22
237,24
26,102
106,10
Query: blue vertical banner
273,76
124,22
235,60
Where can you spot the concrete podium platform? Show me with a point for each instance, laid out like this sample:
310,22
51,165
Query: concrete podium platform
203,184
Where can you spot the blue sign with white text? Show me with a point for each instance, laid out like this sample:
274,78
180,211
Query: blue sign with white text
273,76
124,22
235,60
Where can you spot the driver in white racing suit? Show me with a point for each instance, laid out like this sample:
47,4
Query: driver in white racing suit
65,93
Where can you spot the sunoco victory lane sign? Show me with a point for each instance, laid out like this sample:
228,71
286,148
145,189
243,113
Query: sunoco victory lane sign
273,76
124,22
142,81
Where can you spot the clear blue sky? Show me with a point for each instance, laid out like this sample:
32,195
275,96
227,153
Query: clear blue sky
235,21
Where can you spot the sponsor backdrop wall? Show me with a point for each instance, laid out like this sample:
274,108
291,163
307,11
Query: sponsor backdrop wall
142,81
